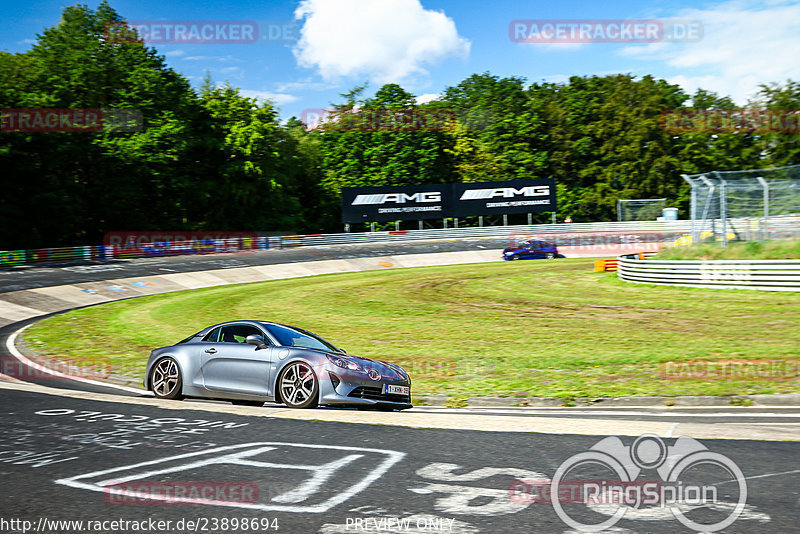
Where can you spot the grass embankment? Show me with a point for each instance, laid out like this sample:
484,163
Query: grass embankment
537,328
751,250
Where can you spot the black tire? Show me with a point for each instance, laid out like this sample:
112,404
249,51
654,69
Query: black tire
293,383
515,257
166,380
247,403
551,256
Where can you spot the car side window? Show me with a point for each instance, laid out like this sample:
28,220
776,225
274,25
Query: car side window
237,333
213,336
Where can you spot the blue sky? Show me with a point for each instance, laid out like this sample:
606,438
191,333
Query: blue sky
427,45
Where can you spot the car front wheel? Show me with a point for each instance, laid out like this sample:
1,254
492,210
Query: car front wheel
298,386
166,380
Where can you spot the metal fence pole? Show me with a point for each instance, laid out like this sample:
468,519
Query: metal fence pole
765,220
723,210
692,207
711,189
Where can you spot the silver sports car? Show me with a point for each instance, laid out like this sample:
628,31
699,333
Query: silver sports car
249,362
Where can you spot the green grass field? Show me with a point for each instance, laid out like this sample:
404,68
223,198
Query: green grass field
751,250
527,328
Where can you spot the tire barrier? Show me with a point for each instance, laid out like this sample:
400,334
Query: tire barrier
765,275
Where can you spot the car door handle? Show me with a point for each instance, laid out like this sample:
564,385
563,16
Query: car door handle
212,350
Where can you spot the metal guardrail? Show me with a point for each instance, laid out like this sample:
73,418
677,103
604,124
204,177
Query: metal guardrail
766,275
12,258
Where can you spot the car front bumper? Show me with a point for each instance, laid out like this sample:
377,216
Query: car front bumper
341,387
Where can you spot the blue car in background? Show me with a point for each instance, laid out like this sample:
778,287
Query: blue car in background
531,250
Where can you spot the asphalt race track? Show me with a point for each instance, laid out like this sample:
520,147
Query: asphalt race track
33,277
118,460
57,454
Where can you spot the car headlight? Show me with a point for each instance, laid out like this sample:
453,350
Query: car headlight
397,368
509,253
344,363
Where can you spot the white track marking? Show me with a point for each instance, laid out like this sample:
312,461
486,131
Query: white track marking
10,345
643,413
760,476
671,430
321,474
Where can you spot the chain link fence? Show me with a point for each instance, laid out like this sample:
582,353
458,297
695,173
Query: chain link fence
746,205
640,209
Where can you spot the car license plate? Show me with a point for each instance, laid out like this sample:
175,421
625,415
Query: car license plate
396,390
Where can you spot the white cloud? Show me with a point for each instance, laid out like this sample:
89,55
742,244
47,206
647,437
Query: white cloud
277,98
428,97
381,40
745,43
212,58
175,53
304,84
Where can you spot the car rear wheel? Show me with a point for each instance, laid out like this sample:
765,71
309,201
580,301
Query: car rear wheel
550,256
298,386
166,381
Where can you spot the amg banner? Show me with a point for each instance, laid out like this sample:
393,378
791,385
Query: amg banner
394,203
497,198
375,204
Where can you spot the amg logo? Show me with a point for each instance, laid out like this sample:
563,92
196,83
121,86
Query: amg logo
397,198
506,192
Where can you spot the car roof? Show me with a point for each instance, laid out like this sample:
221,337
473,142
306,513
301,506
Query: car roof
248,321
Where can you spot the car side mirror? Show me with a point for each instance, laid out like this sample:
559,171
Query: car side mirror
255,339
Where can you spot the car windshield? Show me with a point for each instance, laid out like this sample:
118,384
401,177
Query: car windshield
296,337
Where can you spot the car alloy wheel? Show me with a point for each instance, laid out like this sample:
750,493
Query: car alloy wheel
515,257
550,256
298,386
166,380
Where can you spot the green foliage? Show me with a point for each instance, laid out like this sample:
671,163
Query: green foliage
752,250
213,159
